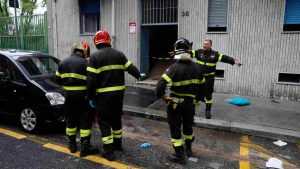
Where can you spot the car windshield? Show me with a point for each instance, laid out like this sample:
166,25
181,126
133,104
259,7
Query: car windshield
39,66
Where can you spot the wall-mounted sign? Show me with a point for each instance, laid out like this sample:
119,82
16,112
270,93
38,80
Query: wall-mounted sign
10,28
132,27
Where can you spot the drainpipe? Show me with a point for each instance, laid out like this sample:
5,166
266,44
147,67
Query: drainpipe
55,36
113,35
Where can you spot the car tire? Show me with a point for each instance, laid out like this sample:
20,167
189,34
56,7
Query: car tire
29,120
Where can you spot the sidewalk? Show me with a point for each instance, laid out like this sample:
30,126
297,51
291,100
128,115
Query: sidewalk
275,119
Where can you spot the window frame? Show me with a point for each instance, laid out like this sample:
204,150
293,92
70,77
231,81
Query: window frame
287,83
282,20
227,23
82,17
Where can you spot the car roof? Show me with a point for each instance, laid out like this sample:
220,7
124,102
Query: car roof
15,54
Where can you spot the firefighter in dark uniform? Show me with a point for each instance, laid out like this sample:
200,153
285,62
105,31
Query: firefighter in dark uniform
71,75
106,87
207,59
187,83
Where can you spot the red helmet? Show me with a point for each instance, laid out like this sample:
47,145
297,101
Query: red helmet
83,46
102,36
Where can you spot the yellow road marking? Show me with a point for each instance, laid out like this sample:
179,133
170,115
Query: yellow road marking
92,158
12,134
244,152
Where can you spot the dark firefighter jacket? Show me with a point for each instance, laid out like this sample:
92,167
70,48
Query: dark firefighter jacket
71,74
208,60
106,72
186,81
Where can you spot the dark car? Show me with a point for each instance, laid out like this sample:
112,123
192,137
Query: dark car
28,88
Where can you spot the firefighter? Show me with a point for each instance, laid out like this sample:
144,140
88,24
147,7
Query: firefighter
71,75
207,59
187,84
106,89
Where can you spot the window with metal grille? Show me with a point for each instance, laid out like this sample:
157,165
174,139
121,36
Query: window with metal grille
289,77
292,16
89,16
159,12
217,15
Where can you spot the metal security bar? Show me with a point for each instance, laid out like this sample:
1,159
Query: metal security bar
159,12
32,33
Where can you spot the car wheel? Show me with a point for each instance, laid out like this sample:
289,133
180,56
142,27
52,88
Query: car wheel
29,120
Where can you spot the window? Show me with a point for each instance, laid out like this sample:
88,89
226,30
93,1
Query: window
89,16
217,15
289,77
159,12
219,73
292,16
15,74
36,66
3,66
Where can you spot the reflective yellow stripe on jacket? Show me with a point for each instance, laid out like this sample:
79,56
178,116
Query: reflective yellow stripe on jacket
220,57
108,67
187,82
167,78
208,74
110,89
205,63
57,73
74,88
73,75
183,94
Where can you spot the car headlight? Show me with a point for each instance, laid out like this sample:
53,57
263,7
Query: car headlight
55,98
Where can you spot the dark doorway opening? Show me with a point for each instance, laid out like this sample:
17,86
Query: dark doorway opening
157,42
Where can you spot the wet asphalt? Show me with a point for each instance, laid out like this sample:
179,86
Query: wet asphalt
213,149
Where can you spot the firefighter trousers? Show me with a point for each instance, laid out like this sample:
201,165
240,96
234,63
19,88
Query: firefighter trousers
109,111
76,113
209,89
183,114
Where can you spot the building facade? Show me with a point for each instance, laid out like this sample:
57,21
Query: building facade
264,34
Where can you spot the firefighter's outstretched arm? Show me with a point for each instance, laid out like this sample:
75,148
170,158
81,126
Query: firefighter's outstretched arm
130,68
228,59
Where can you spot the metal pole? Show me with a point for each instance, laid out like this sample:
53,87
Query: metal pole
16,23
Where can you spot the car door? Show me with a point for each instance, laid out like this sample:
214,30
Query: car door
12,89
4,85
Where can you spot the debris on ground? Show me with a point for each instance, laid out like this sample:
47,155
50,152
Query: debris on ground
274,163
145,145
193,159
280,143
239,101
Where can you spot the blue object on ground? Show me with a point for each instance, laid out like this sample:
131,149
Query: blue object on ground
145,145
92,103
239,101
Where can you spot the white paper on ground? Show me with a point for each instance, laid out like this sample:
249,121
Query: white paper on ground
274,163
193,159
280,143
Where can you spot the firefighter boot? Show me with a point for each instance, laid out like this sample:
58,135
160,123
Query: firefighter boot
72,143
188,147
179,156
108,152
118,144
207,111
86,148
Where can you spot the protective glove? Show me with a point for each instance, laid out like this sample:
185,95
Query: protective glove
92,103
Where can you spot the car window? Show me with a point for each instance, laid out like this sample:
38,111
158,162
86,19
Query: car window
15,74
3,65
37,66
